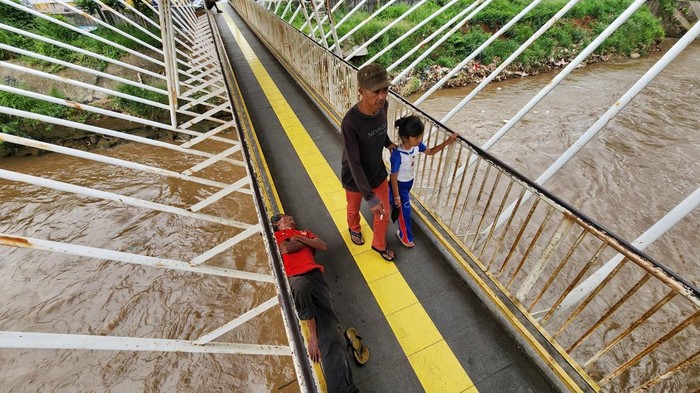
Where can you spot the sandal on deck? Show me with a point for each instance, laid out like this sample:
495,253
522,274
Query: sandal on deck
360,351
386,253
356,237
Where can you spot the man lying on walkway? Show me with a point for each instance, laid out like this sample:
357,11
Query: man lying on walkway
312,300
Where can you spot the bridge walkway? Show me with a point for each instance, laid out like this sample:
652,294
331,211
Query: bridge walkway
487,354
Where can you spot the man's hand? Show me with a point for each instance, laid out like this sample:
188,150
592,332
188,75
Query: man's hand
378,210
314,352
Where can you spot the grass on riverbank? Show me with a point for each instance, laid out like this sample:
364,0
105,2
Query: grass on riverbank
30,23
576,30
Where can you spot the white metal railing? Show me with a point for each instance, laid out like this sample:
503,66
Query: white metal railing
199,110
632,330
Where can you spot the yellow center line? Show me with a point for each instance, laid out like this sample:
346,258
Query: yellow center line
433,361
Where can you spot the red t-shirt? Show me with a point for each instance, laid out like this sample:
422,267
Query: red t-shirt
299,262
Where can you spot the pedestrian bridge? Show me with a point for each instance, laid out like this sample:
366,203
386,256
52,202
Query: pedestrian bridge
509,289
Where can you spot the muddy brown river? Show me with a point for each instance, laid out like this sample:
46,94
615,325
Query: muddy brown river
638,168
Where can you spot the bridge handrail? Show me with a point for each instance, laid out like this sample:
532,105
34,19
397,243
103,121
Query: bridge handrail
544,250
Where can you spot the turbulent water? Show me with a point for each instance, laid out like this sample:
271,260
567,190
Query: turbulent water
638,168
56,293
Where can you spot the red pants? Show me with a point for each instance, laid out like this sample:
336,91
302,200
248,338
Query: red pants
380,225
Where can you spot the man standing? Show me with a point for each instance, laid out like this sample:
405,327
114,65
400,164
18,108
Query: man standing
363,173
312,300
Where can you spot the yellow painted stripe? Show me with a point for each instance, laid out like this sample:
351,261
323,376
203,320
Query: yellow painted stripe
432,360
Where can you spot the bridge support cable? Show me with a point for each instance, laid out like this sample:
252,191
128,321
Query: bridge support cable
508,61
385,29
409,32
587,136
477,51
479,6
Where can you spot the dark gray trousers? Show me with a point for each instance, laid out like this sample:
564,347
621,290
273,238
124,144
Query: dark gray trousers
312,299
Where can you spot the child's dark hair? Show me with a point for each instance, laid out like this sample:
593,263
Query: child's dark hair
409,126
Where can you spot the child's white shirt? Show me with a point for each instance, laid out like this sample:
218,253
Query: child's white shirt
403,161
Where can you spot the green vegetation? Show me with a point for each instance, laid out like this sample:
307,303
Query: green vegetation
27,22
137,108
563,41
21,126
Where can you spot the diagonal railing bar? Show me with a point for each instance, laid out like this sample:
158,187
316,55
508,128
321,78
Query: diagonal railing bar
237,186
509,60
622,18
130,22
206,115
80,31
125,257
113,343
109,160
77,83
243,318
361,24
345,18
209,134
477,51
286,9
81,68
114,197
330,15
479,7
386,28
81,51
110,27
409,32
219,93
611,112
200,259
214,159
104,131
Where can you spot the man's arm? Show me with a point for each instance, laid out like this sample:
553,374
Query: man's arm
297,242
352,153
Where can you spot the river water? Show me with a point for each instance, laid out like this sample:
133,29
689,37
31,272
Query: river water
56,293
638,168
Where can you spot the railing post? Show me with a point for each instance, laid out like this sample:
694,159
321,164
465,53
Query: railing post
167,36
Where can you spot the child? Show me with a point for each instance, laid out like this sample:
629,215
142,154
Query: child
403,160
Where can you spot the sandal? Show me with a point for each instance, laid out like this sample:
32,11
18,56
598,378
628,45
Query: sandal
386,253
406,244
356,237
360,351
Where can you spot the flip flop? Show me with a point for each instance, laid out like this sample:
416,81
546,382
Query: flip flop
406,244
386,253
360,351
356,237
